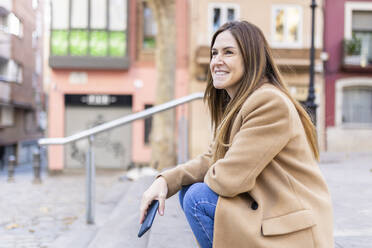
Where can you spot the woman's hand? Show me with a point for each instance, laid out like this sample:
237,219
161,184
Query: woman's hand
157,191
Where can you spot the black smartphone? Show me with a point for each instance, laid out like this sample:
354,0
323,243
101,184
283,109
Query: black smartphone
151,212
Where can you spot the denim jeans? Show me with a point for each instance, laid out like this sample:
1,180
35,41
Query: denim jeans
199,202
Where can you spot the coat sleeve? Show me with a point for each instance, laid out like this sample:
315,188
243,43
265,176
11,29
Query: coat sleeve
265,130
191,172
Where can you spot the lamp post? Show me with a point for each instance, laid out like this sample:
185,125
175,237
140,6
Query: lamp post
310,101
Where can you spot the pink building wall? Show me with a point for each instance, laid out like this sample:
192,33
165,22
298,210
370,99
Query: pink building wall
120,82
333,37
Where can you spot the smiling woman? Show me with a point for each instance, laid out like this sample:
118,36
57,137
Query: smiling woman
259,183
226,65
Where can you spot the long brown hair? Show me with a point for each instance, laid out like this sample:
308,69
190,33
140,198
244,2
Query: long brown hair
259,62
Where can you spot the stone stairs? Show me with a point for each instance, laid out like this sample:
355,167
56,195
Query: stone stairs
119,227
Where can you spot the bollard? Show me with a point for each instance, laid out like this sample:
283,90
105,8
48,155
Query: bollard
11,167
36,166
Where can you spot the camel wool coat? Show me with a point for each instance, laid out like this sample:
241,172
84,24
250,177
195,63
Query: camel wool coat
271,191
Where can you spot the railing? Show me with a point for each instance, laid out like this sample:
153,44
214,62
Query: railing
89,133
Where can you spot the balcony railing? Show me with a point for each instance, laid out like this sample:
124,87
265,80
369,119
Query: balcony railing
357,55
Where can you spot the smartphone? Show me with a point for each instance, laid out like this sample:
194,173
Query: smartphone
151,212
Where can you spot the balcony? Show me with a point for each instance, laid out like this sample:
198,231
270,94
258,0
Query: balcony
357,55
88,49
5,45
10,71
5,7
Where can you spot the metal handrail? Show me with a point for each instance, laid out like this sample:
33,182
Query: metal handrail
121,121
89,133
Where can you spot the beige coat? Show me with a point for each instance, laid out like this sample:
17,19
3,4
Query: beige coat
272,193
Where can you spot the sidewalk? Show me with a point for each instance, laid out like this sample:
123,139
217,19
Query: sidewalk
53,214
349,177
35,215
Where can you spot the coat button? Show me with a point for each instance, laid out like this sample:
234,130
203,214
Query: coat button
254,205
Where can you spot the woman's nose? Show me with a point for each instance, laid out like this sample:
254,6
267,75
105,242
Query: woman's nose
218,59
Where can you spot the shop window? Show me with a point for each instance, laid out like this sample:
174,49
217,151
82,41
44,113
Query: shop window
286,26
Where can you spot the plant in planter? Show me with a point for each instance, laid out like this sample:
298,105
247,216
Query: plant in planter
352,51
353,46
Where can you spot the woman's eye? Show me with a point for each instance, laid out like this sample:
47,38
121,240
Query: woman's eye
228,52
214,53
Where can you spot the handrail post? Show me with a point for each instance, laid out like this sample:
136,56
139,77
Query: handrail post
90,181
36,166
182,140
11,167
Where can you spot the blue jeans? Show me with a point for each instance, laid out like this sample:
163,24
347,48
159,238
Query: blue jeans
199,202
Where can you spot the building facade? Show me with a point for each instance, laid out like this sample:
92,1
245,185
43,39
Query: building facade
21,96
101,67
287,27
348,75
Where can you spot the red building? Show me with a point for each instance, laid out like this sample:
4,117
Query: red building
21,97
348,75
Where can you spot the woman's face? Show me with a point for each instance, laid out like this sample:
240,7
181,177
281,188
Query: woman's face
226,66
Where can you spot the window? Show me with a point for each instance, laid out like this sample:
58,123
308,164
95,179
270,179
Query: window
220,13
35,4
29,121
102,32
286,26
6,116
148,125
362,33
353,103
357,105
358,33
149,27
4,23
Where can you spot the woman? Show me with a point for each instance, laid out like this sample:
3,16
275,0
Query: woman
259,184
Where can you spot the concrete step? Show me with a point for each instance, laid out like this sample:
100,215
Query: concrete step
81,234
172,229
121,229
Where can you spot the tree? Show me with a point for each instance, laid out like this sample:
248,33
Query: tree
162,134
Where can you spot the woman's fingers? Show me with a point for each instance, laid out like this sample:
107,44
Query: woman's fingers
161,200
145,203
157,191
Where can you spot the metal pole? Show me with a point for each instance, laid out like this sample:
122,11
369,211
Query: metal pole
36,166
310,102
11,166
90,183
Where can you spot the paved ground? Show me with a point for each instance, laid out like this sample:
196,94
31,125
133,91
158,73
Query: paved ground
35,215
52,214
349,177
